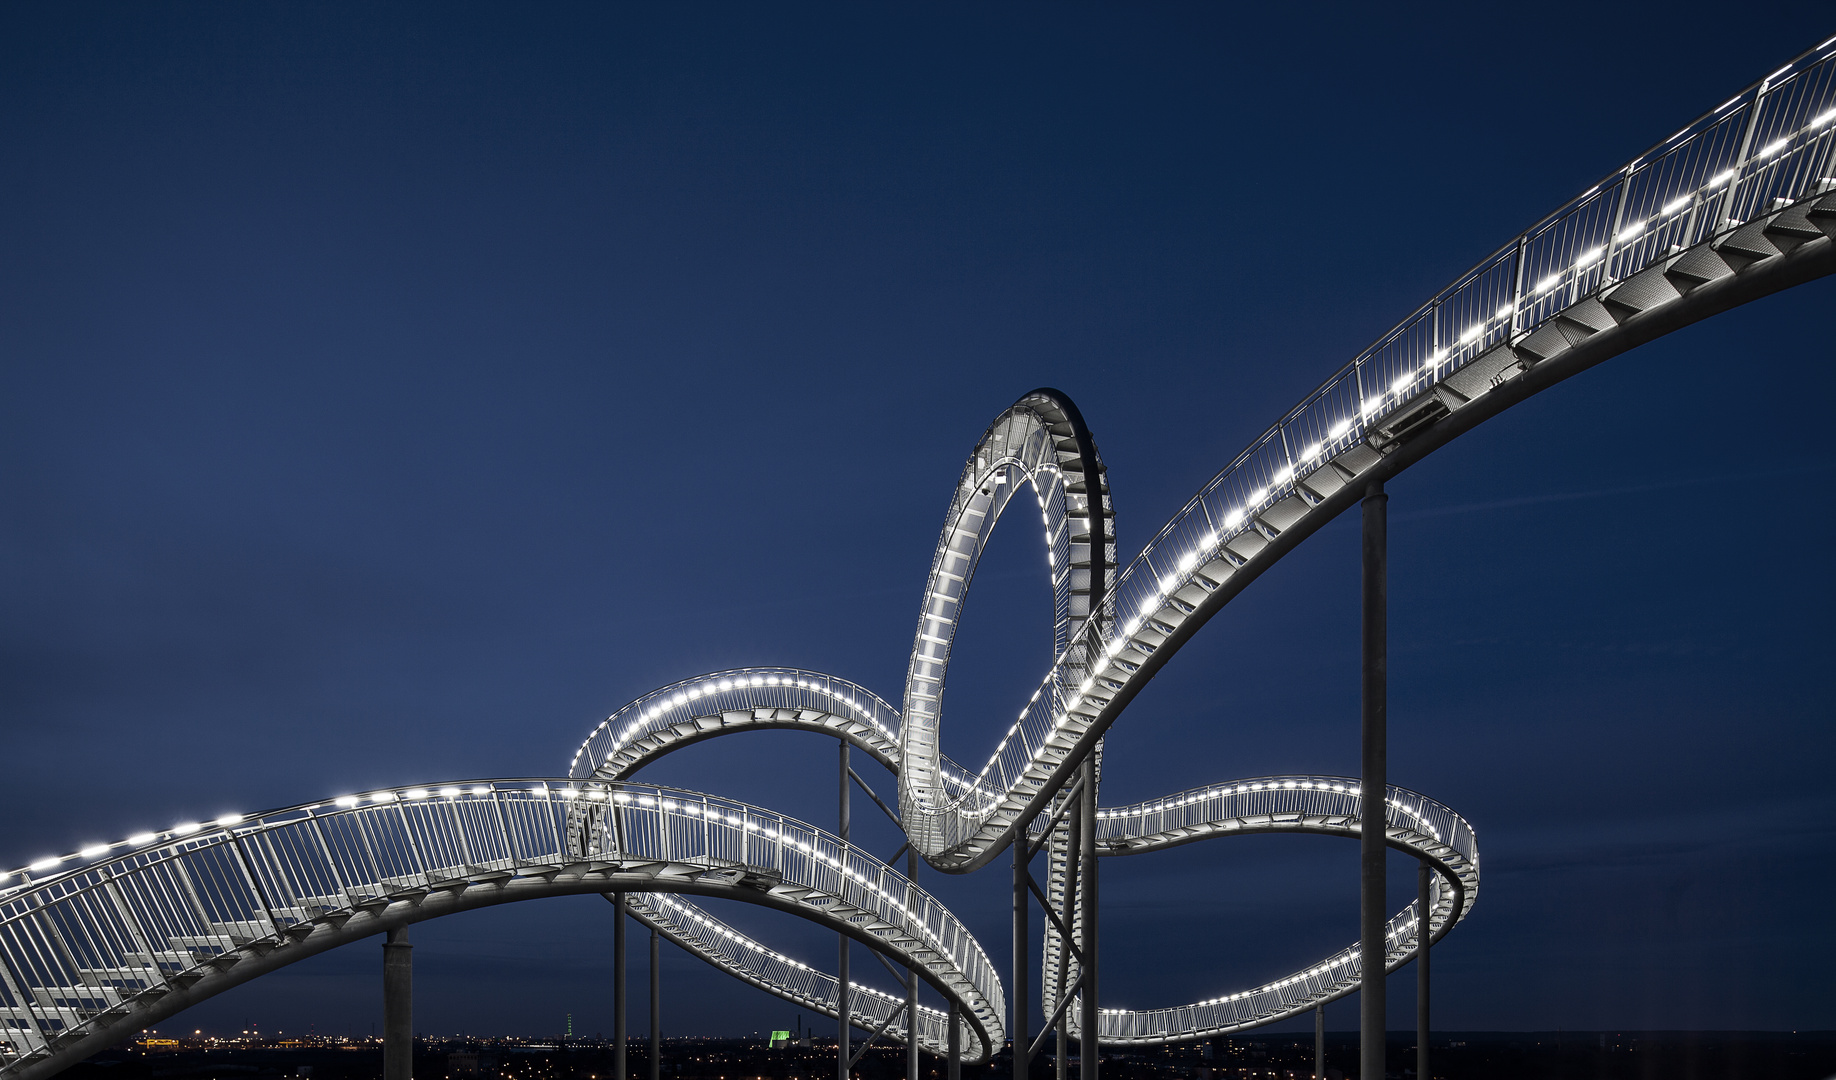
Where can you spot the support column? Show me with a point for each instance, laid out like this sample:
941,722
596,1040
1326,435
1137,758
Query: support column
1067,913
955,1069
656,1006
1087,907
1424,877
398,1006
1022,999
842,1002
1319,1041
911,987
620,1067
1374,785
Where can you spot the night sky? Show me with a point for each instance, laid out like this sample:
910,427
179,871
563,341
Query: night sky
390,395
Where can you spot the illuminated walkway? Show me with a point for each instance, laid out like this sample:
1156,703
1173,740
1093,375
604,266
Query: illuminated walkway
1738,204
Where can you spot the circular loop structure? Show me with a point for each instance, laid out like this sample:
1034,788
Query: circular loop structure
1043,443
1737,205
1323,805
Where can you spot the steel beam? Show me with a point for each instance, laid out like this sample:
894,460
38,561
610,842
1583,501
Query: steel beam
656,1005
955,1070
842,1003
1319,1041
398,1006
1424,877
620,1001
1087,908
1022,999
1374,784
911,984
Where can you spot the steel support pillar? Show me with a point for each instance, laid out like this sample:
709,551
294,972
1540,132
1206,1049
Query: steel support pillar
955,1068
911,988
1022,999
1067,914
656,1005
1373,785
398,1006
842,1002
1319,1041
620,1001
1087,908
1424,877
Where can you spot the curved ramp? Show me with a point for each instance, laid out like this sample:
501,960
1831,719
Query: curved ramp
1739,204
1320,805
144,928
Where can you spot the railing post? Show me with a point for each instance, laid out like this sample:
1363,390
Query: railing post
398,1006
1373,786
1517,287
1621,191
1726,213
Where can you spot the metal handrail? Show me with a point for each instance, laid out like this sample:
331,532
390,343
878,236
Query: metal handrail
104,932
1770,145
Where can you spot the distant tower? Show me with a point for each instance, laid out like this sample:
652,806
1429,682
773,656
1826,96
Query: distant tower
570,1025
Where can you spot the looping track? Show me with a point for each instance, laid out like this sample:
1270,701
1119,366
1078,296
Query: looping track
1738,204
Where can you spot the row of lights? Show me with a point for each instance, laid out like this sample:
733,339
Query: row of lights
1436,359
1330,966
225,821
96,851
1163,805
666,701
1052,569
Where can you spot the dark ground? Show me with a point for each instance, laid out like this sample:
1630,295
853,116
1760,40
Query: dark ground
1514,1055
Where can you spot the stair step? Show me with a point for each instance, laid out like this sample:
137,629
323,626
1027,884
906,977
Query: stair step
1545,341
1823,215
1483,372
1793,227
1748,245
1590,314
1697,266
1641,292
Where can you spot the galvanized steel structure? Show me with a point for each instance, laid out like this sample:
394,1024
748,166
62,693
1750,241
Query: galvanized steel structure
1738,204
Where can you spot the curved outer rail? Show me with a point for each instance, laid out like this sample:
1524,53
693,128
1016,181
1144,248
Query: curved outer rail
1323,805
90,955
756,964
756,698
1042,442
1739,204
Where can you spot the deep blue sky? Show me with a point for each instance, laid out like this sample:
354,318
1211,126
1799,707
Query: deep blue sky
389,395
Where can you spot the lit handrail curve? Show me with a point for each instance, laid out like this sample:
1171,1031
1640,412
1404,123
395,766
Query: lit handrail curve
1735,205
758,698
92,952
1322,805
